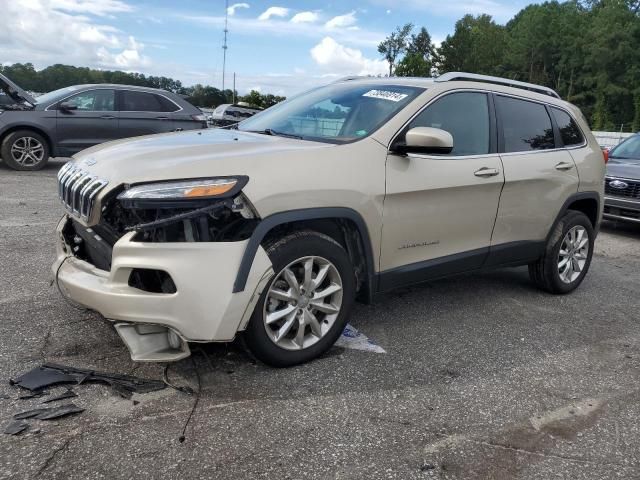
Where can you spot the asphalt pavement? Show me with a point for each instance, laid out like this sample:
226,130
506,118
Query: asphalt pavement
483,377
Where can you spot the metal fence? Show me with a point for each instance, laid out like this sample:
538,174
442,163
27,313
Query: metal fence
610,139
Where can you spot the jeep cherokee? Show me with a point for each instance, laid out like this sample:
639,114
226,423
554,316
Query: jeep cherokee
272,228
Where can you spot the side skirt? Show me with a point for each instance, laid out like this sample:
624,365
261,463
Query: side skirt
508,254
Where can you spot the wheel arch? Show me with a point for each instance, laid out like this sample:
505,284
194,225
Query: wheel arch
585,202
344,225
33,128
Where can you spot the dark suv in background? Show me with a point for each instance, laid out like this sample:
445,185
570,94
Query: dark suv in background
622,182
65,121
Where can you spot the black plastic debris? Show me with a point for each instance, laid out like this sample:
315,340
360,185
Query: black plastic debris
49,413
53,374
34,394
41,377
16,428
66,394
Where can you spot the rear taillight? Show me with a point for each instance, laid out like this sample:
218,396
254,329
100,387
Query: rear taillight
605,155
199,118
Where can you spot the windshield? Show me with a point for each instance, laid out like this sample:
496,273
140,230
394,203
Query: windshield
336,113
55,95
628,150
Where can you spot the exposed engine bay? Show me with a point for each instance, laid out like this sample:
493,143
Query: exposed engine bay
226,220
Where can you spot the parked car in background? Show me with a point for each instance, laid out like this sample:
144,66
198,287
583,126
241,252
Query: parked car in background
622,182
65,121
274,228
228,114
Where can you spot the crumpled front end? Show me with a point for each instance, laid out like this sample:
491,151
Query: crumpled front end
163,272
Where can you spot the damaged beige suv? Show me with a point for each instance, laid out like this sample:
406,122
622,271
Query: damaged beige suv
273,228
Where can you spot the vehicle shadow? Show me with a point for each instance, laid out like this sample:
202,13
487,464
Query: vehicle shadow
623,229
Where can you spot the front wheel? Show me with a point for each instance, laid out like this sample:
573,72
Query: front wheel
24,150
304,308
567,256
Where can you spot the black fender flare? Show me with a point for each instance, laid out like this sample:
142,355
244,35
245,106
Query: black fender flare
589,195
272,221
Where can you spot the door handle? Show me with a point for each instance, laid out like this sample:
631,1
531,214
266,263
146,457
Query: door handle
564,166
107,117
486,172
162,118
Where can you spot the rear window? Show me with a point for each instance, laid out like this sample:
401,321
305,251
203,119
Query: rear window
146,102
569,130
525,125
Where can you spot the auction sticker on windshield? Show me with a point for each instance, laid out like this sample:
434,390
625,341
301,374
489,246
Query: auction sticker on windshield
386,95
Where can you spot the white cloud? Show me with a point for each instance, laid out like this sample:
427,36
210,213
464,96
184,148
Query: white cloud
305,17
274,12
92,7
337,59
232,8
341,21
287,29
59,31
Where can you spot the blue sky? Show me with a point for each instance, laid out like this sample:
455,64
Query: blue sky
275,46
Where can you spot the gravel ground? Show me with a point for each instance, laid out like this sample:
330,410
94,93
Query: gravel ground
484,377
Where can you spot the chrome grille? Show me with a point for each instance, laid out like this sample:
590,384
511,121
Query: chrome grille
78,189
631,191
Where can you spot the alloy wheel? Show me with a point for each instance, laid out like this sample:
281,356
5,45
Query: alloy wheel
27,151
303,303
573,254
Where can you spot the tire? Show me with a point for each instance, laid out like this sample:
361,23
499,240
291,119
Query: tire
25,150
279,342
561,274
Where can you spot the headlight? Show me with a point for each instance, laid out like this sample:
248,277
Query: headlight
189,190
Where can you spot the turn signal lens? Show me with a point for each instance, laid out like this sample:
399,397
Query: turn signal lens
209,190
605,155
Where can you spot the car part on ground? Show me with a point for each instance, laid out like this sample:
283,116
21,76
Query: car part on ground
52,374
50,413
362,186
16,428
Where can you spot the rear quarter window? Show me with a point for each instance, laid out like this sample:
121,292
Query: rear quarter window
569,131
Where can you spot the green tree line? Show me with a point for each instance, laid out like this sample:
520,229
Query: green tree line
59,76
588,51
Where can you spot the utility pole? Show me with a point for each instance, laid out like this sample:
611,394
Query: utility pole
224,46
234,88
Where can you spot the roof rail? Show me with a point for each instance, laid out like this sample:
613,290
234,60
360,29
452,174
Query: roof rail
473,77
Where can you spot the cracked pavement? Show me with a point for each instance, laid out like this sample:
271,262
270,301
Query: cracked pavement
484,377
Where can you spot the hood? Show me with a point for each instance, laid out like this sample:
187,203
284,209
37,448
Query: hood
619,167
14,91
192,154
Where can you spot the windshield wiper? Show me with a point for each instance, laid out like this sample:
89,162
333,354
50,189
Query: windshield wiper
271,131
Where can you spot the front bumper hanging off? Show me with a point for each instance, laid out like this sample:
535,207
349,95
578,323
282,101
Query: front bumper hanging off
157,326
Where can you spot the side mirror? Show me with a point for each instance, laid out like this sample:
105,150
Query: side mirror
425,140
67,107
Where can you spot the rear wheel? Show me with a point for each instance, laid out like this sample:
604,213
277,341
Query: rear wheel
567,256
305,306
24,150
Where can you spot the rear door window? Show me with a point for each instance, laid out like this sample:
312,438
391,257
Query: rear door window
146,102
526,125
569,131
